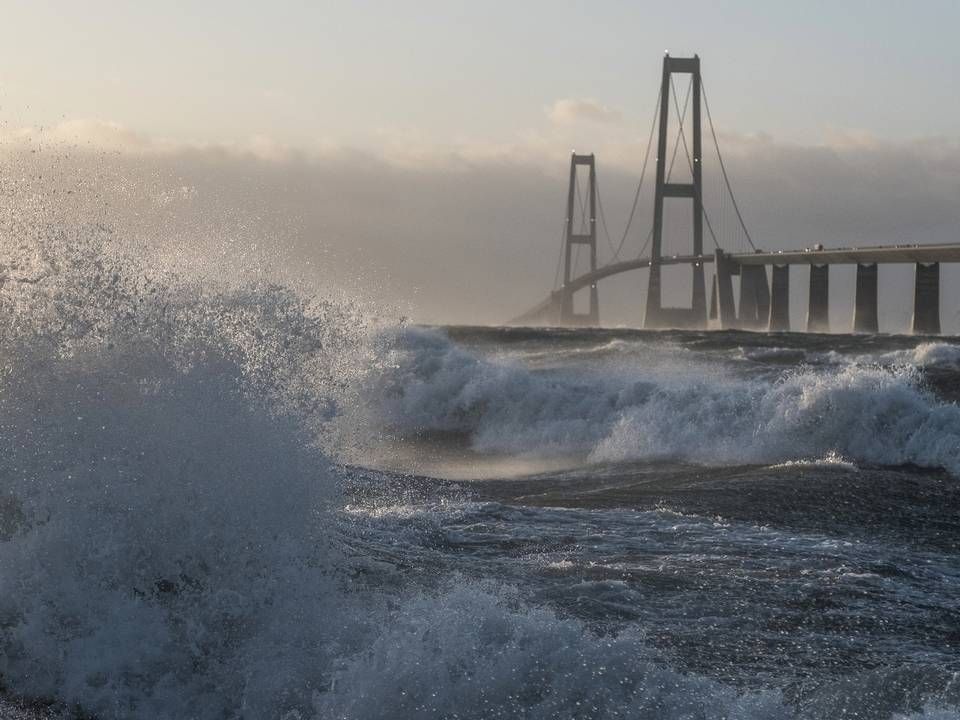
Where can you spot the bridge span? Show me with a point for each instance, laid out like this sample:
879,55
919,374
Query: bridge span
763,305
763,302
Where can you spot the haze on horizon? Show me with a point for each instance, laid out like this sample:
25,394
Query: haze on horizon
420,149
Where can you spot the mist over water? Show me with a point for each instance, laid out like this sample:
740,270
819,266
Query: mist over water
226,496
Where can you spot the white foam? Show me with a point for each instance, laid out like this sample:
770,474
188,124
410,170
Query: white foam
830,460
929,354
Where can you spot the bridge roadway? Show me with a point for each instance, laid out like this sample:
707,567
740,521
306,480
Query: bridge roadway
819,257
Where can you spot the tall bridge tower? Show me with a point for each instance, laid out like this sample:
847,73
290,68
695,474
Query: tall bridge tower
764,302
575,235
696,315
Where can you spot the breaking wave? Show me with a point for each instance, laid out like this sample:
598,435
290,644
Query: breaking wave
684,410
167,544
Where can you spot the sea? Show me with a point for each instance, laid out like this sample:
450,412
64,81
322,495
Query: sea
250,500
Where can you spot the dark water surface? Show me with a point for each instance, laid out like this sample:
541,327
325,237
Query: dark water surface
770,511
248,509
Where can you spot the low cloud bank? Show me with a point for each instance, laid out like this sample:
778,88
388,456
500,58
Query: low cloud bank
471,233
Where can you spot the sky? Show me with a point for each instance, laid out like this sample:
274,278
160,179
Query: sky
406,136
310,73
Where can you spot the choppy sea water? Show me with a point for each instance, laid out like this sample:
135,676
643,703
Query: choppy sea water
244,502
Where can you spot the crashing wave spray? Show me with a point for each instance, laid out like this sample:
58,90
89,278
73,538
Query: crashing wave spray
167,542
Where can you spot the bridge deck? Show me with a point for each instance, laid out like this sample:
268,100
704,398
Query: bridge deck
865,255
827,256
926,254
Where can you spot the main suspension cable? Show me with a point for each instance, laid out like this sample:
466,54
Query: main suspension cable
636,196
643,174
723,168
603,219
646,243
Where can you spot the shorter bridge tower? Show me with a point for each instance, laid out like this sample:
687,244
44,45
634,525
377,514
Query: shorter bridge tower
574,235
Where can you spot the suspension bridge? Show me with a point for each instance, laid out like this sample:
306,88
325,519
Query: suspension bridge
762,299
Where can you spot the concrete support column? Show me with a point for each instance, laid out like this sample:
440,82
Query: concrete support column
865,311
762,288
780,299
926,300
725,270
653,315
747,307
713,299
754,309
818,308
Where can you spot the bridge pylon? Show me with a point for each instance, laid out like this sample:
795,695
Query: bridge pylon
656,315
576,236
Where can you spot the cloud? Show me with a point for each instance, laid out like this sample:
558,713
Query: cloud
571,111
108,136
90,133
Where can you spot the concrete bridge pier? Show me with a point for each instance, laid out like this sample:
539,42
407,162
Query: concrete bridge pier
712,315
754,312
780,299
725,269
818,308
747,307
926,300
865,318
